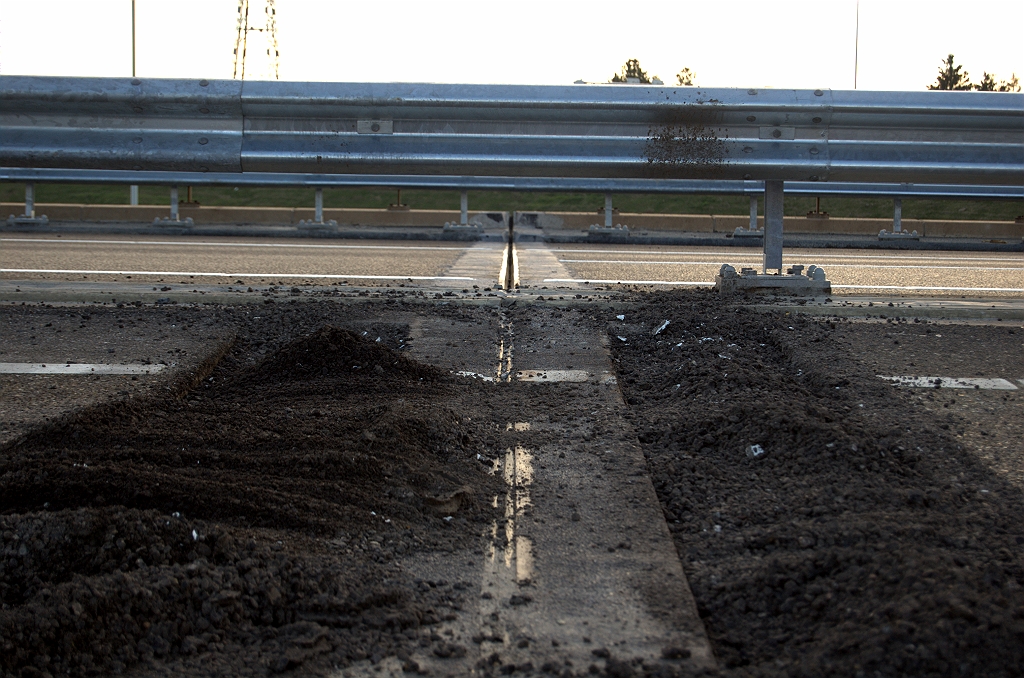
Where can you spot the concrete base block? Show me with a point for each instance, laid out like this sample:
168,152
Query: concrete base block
616,230
309,224
814,284
752,234
180,223
25,220
898,235
451,227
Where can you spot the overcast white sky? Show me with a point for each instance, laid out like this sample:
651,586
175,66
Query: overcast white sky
737,43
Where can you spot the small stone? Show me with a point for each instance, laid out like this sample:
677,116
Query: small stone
673,652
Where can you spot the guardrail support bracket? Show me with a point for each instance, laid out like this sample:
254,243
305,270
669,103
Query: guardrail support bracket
174,219
897,225
29,218
753,231
318,213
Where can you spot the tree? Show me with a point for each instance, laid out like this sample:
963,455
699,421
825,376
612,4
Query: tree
1012,85
631,72
951,77
686,78
987,84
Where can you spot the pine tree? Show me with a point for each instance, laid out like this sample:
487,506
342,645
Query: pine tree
951,77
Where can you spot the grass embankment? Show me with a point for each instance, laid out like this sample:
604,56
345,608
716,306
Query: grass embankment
978,210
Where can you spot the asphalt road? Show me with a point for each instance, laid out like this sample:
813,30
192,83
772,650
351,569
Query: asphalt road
850,271
368,263
254,260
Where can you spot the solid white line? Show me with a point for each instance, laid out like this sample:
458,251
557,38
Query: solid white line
628,261
719,263
806,255
193,243
952,382
628,282
235,275
865,287
77,368
929,288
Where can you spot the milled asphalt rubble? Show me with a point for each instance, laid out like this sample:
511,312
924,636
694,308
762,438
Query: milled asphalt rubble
583,567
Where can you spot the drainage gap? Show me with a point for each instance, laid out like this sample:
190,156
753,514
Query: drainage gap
509,281
505,346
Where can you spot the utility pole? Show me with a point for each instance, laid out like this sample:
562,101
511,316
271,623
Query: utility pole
133,190
856,46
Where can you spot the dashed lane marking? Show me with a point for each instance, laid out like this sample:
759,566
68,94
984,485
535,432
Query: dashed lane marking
77,368
553,376
953,382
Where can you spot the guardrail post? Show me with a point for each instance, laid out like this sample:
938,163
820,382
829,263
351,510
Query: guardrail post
29,218
608,210
464,206
174,203
897,225
318,213
133,195
30,200
174,219
753,213
773,203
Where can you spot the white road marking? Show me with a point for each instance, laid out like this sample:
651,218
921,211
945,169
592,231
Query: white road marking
952,382
192,243
594,281
929,288
234,275
552,376
805,254
628,282
77,368
474,375
718,263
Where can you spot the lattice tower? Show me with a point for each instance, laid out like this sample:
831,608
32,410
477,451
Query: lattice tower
257,35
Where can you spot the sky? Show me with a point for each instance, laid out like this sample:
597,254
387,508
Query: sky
727,43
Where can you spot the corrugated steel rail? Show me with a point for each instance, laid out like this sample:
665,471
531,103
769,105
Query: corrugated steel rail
524,184
455,132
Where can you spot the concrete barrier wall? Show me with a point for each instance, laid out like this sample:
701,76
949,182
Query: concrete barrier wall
687,223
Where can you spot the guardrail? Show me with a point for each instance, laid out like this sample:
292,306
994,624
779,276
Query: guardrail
583,131
524,184
603,136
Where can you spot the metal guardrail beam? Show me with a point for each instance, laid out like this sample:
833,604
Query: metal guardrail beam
524,184
574,132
